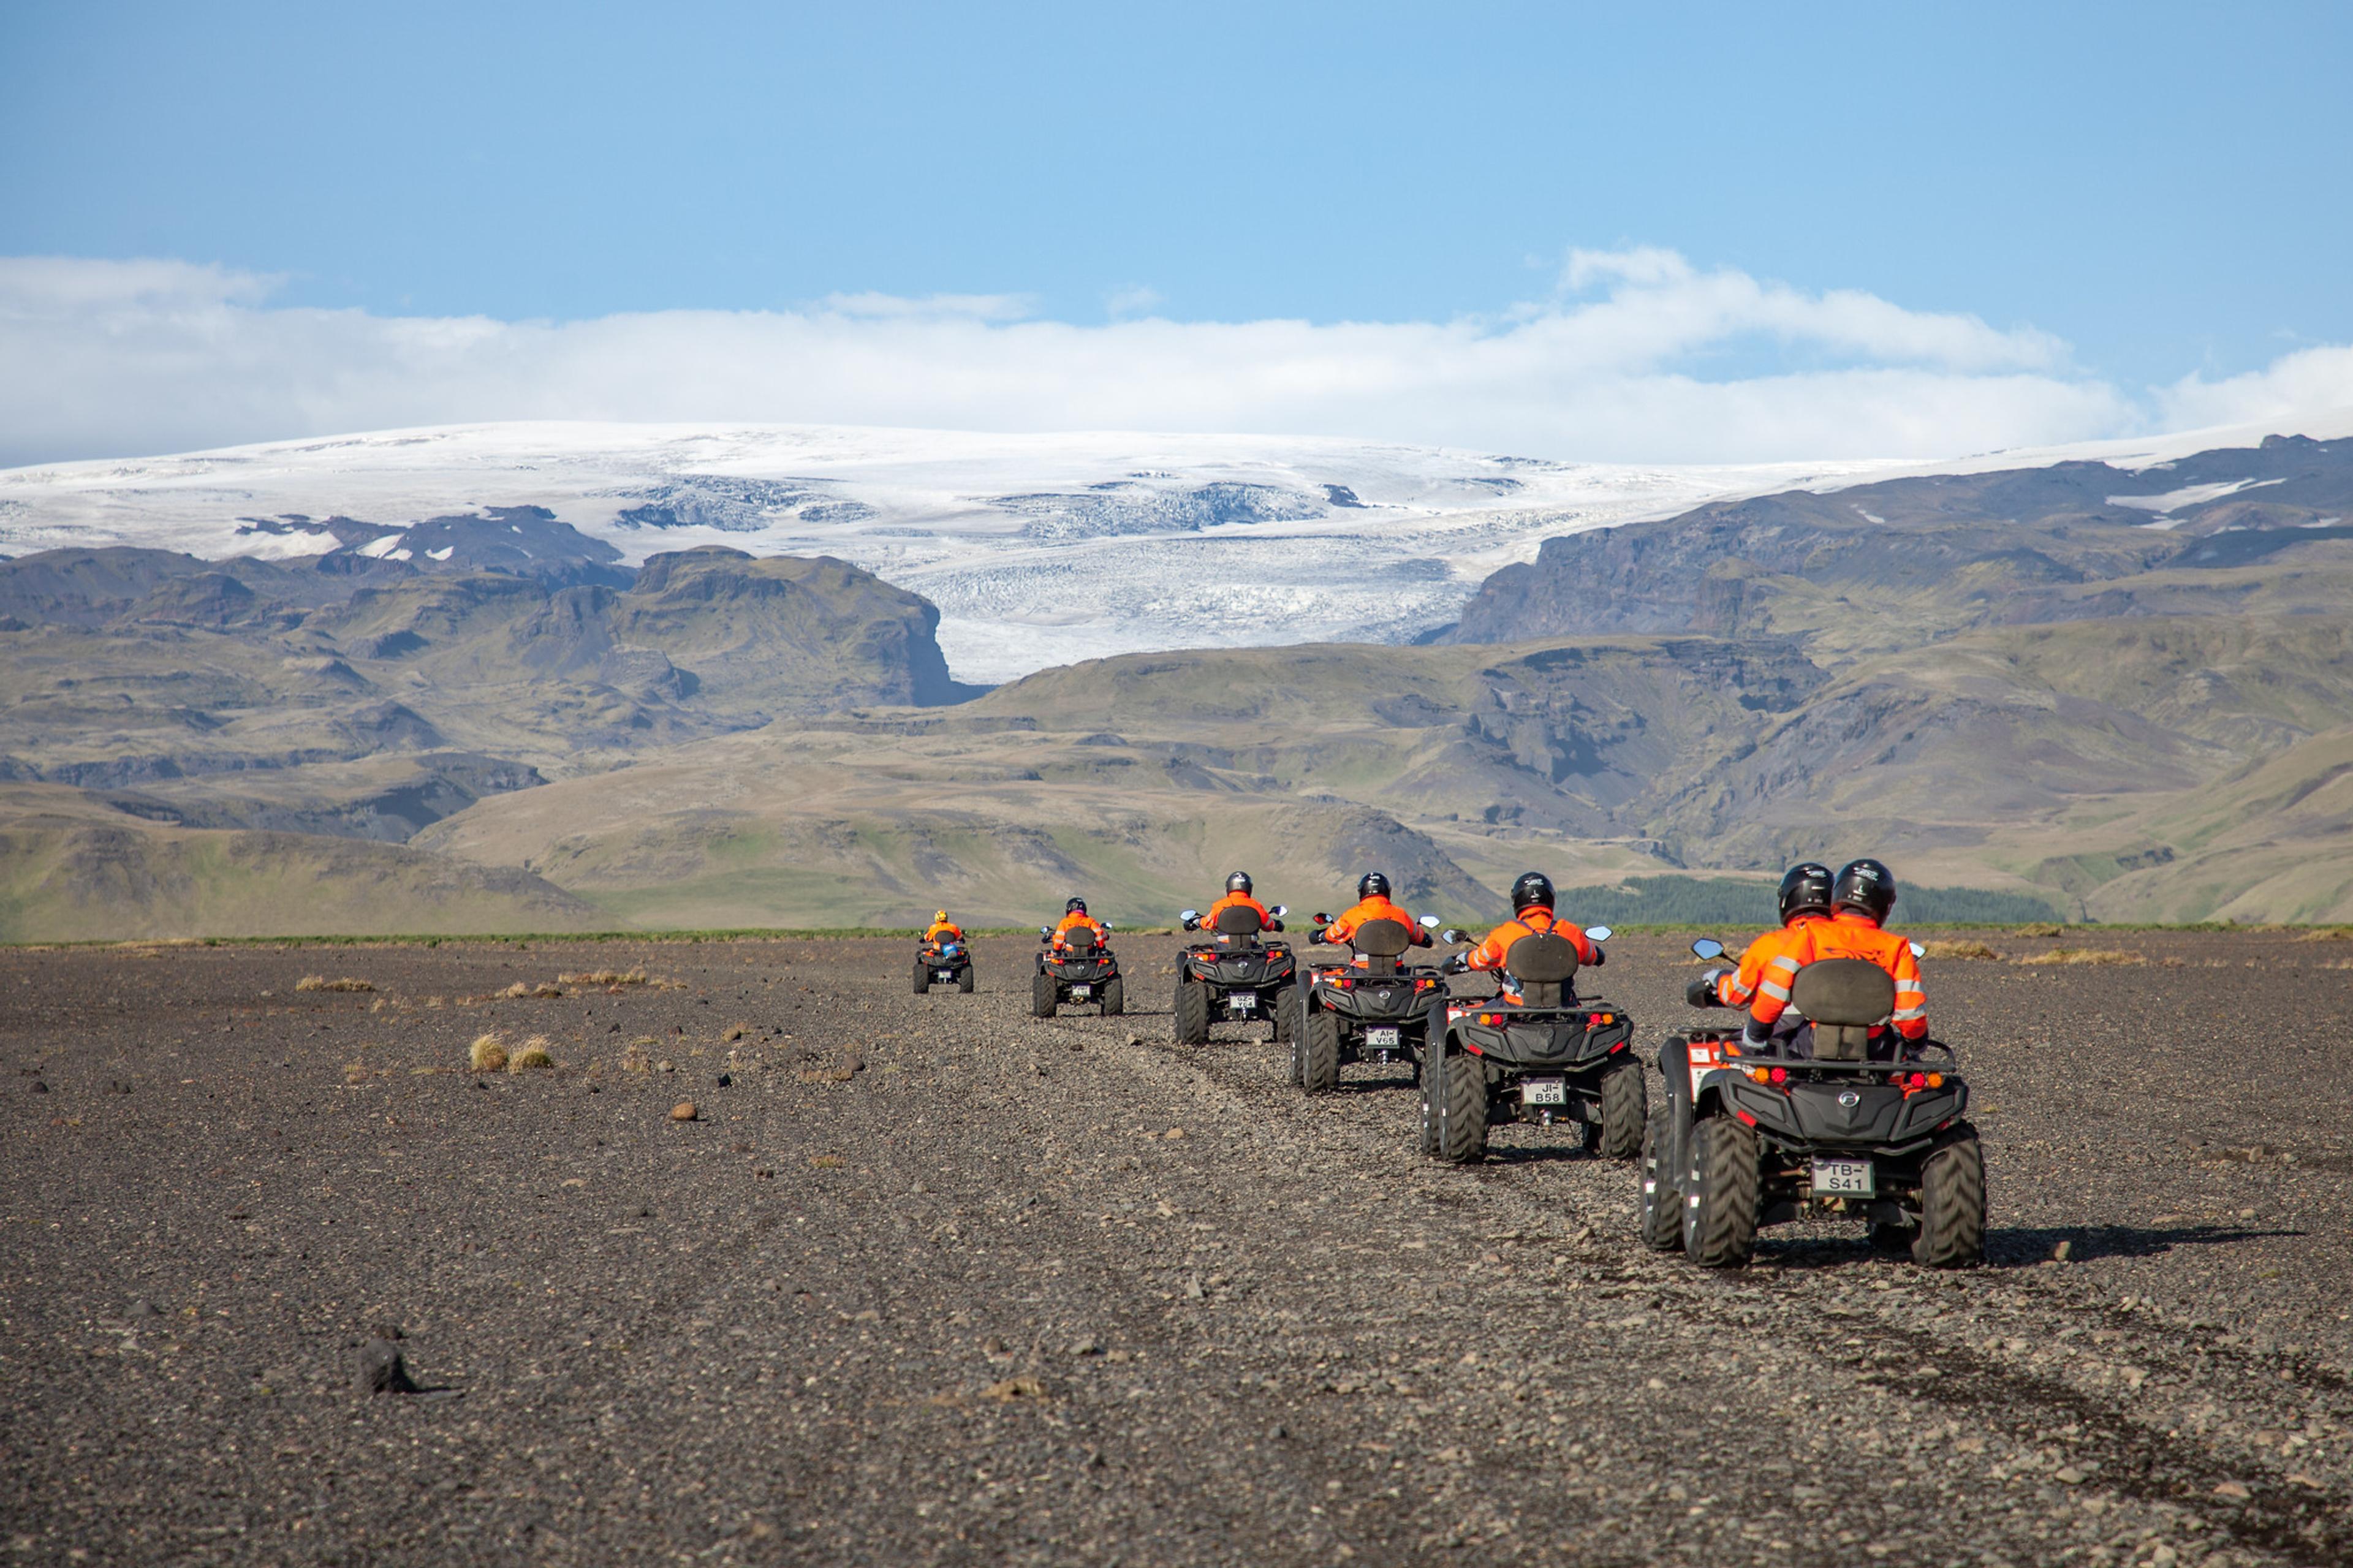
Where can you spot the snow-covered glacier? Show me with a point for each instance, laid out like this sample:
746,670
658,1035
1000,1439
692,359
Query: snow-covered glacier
1039,548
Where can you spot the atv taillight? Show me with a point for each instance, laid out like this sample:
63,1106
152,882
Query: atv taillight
1595,1020
1491,1019
1935,1081
1918,1080
1780,1075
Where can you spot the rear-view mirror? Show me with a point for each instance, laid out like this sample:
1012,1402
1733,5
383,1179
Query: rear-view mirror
1429,922
1045,930
1917,951
1280,911
1709,947
1188,914
1598,933
1453,934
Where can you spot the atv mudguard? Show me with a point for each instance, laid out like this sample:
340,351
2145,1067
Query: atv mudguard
1380,999
1808,1114
1544,1041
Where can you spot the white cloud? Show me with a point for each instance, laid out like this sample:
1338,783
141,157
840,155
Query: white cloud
2294,386
103,357
1132,301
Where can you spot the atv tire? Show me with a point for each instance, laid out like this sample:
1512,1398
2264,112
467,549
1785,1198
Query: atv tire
1115,996
1623,1094
1952,1203
963,980
1462,1094
1663,1193
1319,1055
1286,997
922,978
1725,1178
1043,996
1192,1012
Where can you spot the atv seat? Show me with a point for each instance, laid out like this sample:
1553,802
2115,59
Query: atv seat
1844,999
1237,923
1544,965
1381,942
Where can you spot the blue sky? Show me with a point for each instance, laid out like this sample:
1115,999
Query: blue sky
2160,187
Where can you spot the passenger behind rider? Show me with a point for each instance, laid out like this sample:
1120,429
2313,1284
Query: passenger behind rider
940,930
1861,903
1076,919
1238,896
1532,897
1373,903
1822,916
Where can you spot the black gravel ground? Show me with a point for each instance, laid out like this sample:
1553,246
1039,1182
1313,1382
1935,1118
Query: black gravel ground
927,1281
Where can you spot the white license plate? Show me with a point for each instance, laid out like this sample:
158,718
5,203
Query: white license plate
1081,993
1545,1091
1381,1039
1241,1003
1844,1179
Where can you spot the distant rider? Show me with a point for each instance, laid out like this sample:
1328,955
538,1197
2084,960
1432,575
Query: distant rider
1531,896
1238,896
1373,903
1075,917
942,930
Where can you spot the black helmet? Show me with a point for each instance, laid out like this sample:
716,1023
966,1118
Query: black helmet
1865,885
1075,907
1533,888
1239,882
1805,891
1372,884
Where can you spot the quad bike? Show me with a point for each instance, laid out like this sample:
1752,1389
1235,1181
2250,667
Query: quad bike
1084,970
1238,976
1815,1128
942,963
1544,1059
1376,1011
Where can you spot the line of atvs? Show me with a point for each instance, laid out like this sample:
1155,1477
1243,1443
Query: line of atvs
1857,1126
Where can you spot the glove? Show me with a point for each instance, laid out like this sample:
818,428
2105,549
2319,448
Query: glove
1316,936
1755,1036
1700,993
1600,957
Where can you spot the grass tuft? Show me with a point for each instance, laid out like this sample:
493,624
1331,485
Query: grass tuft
2084,955
489,1053
320,983
605,977
1956,948
531,1056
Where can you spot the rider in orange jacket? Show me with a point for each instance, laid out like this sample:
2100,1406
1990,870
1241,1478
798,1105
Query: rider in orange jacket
943,929
1761,983
1237,896
1531,896
1075,917
1373,903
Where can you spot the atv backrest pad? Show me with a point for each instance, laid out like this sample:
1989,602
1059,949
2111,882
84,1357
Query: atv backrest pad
1239,919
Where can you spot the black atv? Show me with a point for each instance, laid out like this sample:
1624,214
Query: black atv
1546,1059
942,963
1237,977
1813,1125
1378,1011
1085,970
